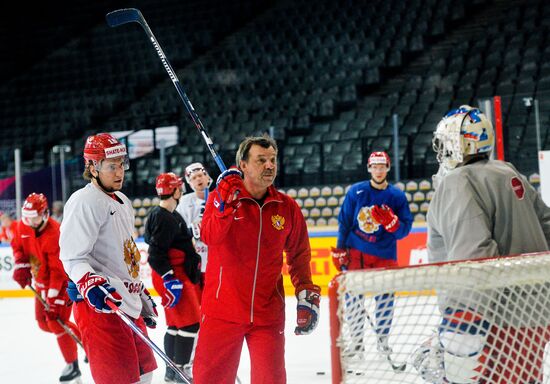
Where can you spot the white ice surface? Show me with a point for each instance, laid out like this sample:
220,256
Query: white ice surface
29,355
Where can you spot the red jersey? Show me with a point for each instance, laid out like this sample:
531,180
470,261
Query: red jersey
42,252
244,282
7,233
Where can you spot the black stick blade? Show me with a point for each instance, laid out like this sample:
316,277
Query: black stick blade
123,16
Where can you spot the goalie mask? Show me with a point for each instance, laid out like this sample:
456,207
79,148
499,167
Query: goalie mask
462,132
35,210
191,169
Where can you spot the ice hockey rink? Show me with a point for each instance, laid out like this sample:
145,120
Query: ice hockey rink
29,355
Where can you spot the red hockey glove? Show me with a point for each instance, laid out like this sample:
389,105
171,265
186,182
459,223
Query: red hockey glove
173,290
307,310
148,308
228,186
96,290
385,216
56,302
22,274
340,258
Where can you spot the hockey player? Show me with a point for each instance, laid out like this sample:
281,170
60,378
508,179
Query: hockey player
176,272
481,208
247,226
101,258
374,215
191,206
7,228
36,252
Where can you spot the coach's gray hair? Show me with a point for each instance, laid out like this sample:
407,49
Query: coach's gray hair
264,141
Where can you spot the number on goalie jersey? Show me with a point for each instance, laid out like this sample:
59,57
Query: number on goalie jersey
96,240
372,218
35,246
176,271
483,208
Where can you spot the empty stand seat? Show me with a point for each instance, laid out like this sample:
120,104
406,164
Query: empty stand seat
326,191
333,221
400,185
321,222
314,192
332,201
413,207
309,202
315,212
326,212
320,202
411,186
303,193
136,203
338,190
292,193
418,196
424,207
419,218
425,185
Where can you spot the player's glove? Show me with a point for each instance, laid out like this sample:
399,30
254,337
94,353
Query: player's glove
340,258
385,216
72,292
228,186
148,308
307,310
22,274
96,290
173,290
56,302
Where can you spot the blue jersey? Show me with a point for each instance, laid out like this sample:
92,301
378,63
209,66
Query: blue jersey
356,227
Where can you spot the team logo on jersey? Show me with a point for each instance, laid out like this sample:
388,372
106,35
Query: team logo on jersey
132,257
278,222
35,264
366,223
517,187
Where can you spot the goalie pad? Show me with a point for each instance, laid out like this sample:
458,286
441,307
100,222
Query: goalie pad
458,354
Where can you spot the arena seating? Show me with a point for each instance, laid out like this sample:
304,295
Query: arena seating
325,78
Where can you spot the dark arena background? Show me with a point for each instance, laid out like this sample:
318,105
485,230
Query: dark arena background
330,80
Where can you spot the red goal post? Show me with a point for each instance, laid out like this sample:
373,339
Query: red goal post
487,320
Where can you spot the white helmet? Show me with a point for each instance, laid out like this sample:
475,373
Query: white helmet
196,167
462,132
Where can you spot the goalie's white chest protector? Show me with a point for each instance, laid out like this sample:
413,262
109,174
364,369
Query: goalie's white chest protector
96,236
190,207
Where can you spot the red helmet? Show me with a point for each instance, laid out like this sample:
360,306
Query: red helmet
379,158
103,146
167,183
35,205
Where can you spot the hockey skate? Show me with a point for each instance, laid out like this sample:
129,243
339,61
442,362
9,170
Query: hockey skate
169,375
71,374
382,346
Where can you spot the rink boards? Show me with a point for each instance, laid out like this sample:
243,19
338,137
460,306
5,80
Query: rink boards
411,250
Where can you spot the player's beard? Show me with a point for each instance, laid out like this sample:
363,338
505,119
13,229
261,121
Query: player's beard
381,182
102,186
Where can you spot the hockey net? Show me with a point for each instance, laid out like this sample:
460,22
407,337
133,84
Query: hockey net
482,321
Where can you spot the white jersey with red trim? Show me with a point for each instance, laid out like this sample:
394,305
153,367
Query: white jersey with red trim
96,236
189,208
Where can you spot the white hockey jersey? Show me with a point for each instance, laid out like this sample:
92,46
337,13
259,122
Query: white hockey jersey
96,236
189,208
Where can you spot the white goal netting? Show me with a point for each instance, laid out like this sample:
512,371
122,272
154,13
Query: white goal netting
483,321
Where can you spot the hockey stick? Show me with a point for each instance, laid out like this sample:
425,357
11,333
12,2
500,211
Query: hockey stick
397,367
61,322
148,341
133,15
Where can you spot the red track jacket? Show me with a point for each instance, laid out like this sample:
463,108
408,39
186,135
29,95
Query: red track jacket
244,283
42,253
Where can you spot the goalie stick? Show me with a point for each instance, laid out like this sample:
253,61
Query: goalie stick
148,341
133,15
